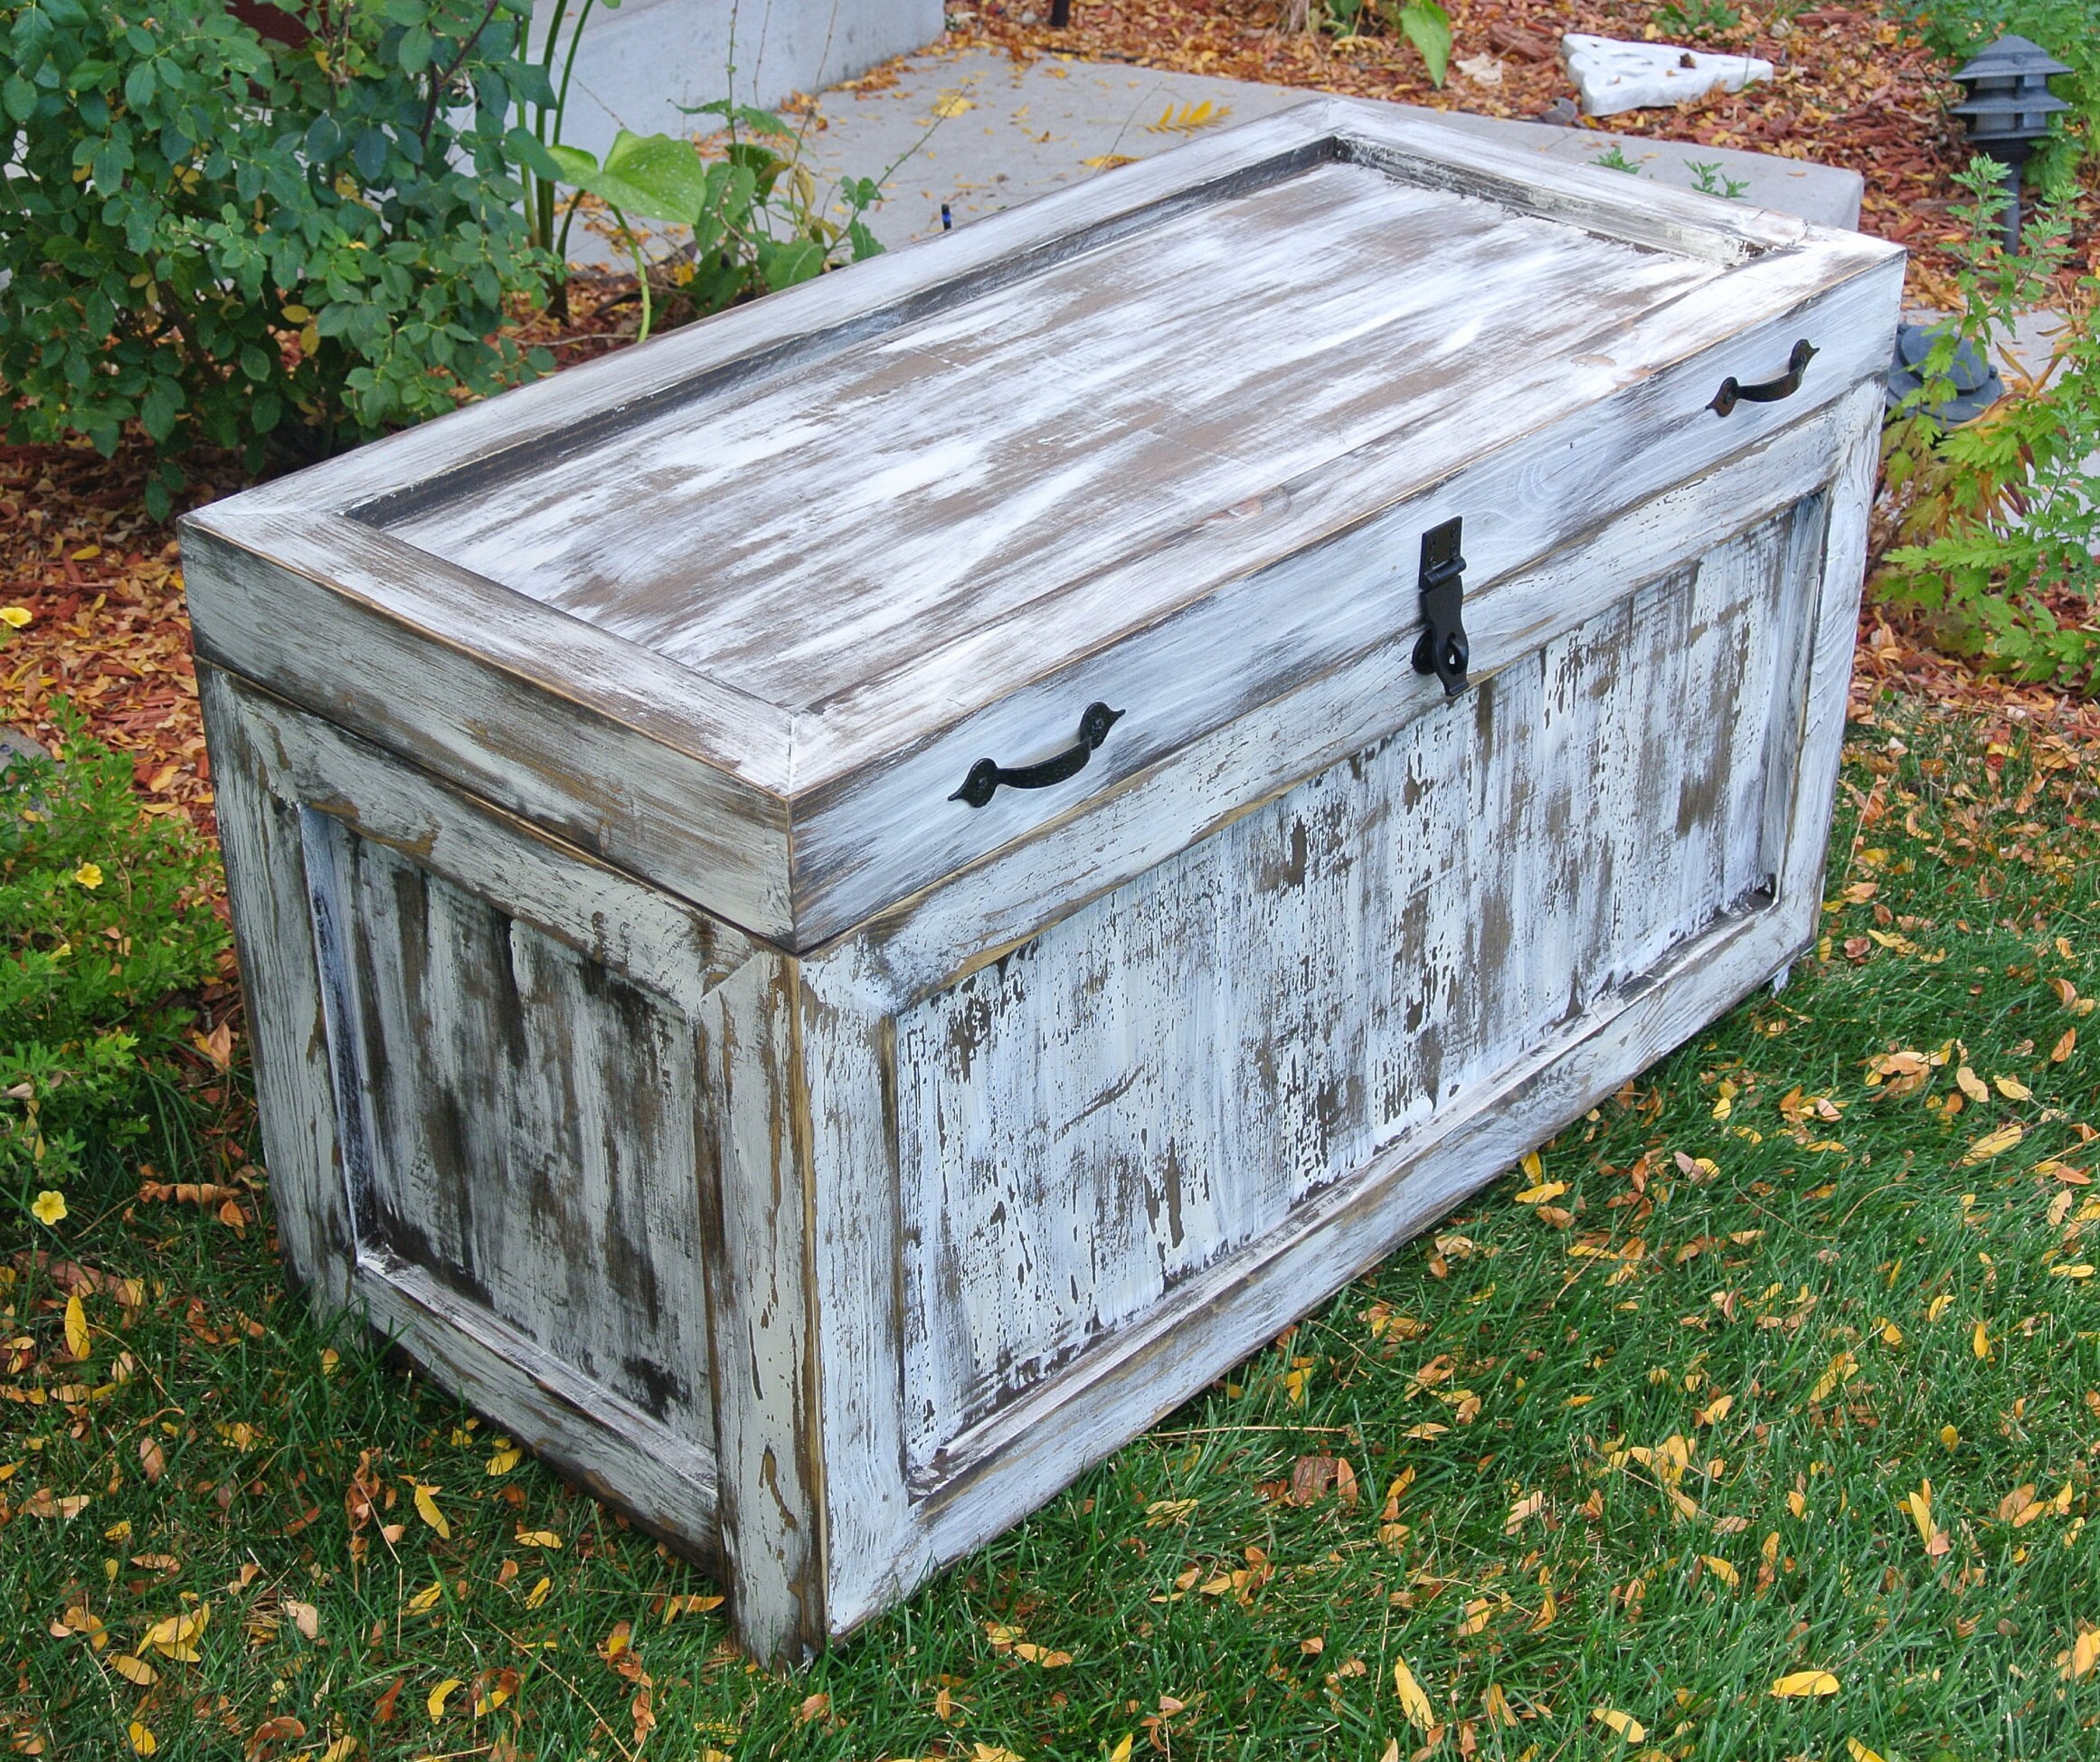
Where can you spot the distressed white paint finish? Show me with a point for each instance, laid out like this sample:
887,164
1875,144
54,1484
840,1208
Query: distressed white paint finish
1166,1075
824,1170
538,1121
801,578
801,535
531,1123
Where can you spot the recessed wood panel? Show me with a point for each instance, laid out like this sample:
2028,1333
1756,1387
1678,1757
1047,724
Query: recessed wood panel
1161,1077
524,1124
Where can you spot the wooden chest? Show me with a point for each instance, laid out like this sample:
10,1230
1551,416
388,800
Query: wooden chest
841,910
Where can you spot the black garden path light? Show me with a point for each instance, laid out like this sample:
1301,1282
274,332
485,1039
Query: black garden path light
2006,108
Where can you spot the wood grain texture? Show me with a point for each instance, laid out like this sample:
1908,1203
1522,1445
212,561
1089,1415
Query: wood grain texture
930,941
1163,1078
817,567
758,1235
1042,1442
534,1125
261,843
797,537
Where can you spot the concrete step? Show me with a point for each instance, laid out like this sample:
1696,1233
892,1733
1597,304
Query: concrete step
976,132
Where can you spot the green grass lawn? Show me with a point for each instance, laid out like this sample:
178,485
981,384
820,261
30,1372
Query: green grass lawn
1782,1369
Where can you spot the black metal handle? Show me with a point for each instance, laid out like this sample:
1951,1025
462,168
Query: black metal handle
1734,392
1441,649
986,775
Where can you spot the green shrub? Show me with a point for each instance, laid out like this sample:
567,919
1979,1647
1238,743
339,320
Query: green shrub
244,243
105,921
2001,516
2069,29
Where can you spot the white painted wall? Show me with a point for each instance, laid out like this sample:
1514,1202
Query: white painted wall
639,62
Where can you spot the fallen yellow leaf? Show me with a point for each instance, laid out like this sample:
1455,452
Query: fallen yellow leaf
1971,1084
434,1702
1043,1655
1995,1143
1858,1752
1980,1341
538,1538
134,1670
1121,1753
427,1508
341,1750
1716,1410
1414,1703
1624,1724
1842,1368
1722,1569
175,1637
507,1457
2012,1088
2085,1653
77,1341
143,1741
1796,1684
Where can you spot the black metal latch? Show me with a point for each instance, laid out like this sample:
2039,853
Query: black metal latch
1441,649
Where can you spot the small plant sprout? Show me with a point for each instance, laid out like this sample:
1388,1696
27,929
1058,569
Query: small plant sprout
1709,180
1613,158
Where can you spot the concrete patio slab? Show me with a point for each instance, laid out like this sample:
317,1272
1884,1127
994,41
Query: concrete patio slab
979,133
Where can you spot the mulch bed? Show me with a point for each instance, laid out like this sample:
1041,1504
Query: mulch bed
1852,87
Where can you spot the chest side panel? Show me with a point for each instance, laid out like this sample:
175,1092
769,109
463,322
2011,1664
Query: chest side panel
1159,1079
532,1122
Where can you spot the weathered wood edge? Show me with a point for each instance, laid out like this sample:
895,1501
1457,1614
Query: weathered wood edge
266,883
930,940
755,1235
677,950
866,830
616,776
590,1433
1826,690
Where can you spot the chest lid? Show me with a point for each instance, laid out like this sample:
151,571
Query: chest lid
838,543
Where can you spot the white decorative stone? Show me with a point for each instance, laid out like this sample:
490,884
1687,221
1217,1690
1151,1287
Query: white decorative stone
1617,76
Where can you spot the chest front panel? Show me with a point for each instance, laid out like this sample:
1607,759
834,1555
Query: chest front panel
1161,1077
